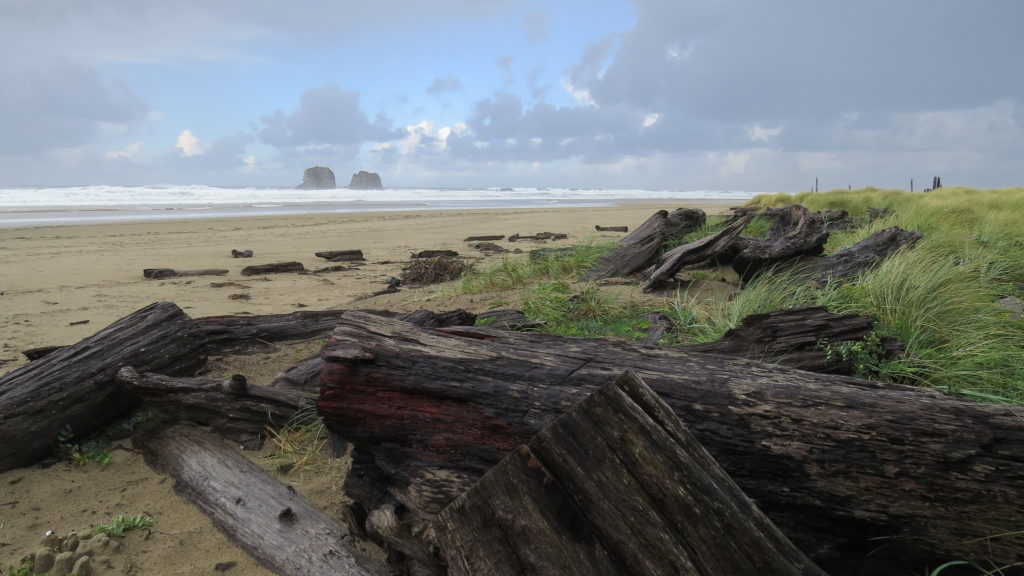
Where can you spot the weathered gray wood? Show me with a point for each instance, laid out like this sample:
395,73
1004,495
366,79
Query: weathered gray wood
867,253
241,334
835,462
275,268
692,253
616,486
74,385
161,273
795,232
436,254
439,319
341,255
268,520
491,238
600,228
643,244
538,236
236,410
241,253
795,337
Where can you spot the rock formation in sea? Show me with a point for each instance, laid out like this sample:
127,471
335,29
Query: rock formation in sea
366,181
318,178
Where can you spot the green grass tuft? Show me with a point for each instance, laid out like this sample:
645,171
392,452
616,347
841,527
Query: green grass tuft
122,524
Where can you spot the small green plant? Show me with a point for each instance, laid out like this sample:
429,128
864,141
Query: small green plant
866,356
122,524
96,449
302,444
23,570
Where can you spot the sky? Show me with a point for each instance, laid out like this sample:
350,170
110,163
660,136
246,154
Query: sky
651,94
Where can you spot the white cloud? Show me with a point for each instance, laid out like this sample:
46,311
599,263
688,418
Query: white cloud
758,133
188,144
651,120
582,95
677,53
127,153
734,163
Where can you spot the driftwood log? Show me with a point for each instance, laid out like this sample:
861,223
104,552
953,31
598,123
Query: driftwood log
241,253
600,228
835,462
275,268
491,238
692,253
795,232
538,236
436,254
161,273
74,386
234,409
275,525
867,253
635,251
617,486
241,334
341,255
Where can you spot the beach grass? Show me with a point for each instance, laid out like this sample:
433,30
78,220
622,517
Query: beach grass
938,298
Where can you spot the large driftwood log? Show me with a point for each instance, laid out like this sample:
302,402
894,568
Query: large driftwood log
275,268
636,250
234,409
341,255
795,232
238,334
617,486
835,462
702,250
804,338
74,386
868,252
270,521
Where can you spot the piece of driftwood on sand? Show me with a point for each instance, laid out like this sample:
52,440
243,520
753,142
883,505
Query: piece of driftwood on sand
643,244
835,462
617,486
72,389
273,268
341,255
272,522
161,273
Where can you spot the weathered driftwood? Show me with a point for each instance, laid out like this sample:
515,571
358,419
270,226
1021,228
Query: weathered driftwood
74,387
275,268
436,254
865,254
538,236
808,338
161,273
491,238
617,486
507,320
643,244
341,255
234,409
241,334
241,253
439,319
658,325
795,232
834,461
692,253
39,352
600,228
275,525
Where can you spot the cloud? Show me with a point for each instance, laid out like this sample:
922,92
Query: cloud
326,116
188,144
440,85
128,153
536,25
64,105
758,133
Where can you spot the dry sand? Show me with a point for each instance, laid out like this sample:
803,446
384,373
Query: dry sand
52,279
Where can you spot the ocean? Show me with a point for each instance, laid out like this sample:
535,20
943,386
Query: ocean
40,206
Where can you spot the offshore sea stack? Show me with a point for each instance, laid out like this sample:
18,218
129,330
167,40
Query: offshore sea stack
365,181
318,178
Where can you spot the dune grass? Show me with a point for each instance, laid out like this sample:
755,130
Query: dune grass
938,298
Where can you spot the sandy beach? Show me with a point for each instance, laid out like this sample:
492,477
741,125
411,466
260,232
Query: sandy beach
61,284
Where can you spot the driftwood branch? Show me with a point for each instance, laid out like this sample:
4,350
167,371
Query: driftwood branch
636,250
692,253
275,268
161,273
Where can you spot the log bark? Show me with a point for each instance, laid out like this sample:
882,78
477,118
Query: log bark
74,386
271,522
247,334
795,337
600,228
275,268
866,254
707,248
636,250
795,232
161,273
617,486
341,255
834,461
234,409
